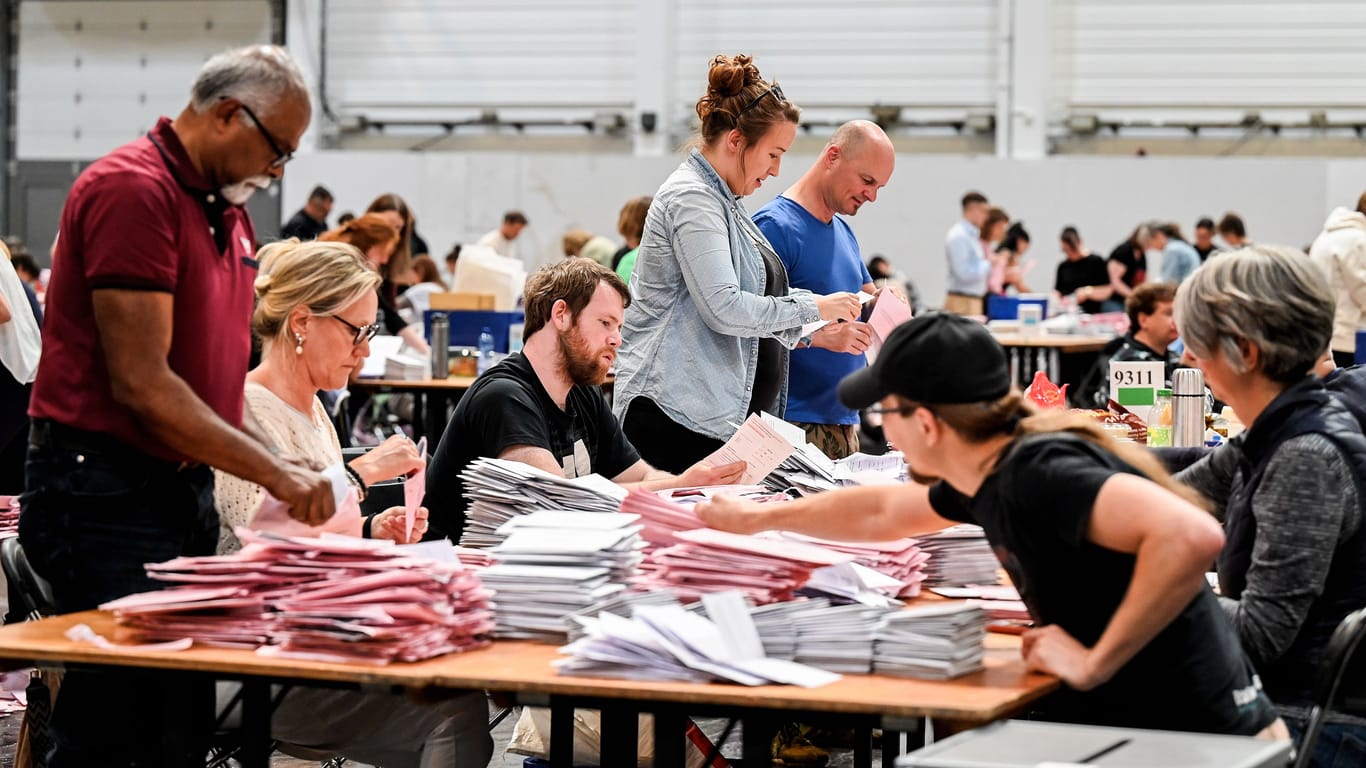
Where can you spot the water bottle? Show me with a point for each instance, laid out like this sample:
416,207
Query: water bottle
485,350
1160,426
440,342
1188,408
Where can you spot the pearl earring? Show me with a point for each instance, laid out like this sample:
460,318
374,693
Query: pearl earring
299,346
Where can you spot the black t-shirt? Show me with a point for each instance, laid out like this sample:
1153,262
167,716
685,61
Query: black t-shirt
768,371
1135,263
1088,270
1035,508
1205,252
389,315
302,226
508,406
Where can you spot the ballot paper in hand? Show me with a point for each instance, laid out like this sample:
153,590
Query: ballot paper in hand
890,311
756,443
273,514
414,488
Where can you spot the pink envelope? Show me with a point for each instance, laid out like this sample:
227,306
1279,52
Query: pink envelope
414,488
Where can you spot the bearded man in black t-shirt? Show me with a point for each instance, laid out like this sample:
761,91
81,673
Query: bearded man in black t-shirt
544,406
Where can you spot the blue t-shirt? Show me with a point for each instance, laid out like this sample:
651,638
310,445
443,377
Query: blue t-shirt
822,258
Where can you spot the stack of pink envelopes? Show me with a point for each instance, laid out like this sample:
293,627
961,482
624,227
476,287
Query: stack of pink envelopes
902,559
664,513
9,516
707,560
322,599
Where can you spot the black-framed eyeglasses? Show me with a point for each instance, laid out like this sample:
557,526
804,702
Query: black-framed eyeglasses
281,156
363,333
773,89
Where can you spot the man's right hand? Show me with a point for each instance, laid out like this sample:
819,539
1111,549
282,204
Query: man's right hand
839,306
850,338
307,492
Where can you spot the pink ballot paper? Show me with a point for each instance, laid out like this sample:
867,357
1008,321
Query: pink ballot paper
413,490
273,514
889,312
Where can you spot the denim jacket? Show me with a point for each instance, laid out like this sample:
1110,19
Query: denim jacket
691,338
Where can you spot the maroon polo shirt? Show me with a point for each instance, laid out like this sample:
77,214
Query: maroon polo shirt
143,218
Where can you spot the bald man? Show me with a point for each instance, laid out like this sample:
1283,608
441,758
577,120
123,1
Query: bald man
822,255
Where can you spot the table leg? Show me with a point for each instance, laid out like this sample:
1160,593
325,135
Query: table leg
670,729
1054,365
436,418
891,747
756,740
620,734
1015,365
863,746
256,710
561,733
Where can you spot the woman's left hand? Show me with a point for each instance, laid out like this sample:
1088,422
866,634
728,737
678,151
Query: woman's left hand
390,523
395,457
1052,650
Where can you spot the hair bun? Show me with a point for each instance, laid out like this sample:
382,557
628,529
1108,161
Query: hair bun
730,75
261,285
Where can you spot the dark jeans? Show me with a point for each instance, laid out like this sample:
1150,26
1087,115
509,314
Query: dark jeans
1338,746
95,511
662,442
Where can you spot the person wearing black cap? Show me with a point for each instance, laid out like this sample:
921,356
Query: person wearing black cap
1107,552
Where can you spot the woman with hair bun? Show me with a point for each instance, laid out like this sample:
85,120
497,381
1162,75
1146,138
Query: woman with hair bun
705,339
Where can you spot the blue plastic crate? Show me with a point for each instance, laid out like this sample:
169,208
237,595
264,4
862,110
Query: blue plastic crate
1008,307
467,324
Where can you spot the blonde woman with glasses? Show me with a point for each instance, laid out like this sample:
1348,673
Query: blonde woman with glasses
315,315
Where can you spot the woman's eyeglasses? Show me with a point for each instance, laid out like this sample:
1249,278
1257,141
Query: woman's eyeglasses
773,89
364,333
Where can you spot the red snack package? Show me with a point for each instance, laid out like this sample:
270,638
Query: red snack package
1045,393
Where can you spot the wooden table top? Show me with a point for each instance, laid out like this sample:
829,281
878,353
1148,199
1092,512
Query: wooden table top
1059,342
1001,689
451,382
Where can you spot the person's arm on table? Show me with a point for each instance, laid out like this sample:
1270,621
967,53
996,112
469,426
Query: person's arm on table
395,457
885,513
1117,285
1173,542
642,475
135,331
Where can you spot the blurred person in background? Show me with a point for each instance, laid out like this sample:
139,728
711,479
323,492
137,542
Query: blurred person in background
419,297
1340,252
1233,232
969,267
1204,239
503,240
1082,276
1179,259
585,244
1128,266
631,226
375,236
311,220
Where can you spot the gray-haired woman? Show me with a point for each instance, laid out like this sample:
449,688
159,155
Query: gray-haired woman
1289,489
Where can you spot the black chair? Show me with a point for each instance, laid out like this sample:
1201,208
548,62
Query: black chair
32,590
1341,684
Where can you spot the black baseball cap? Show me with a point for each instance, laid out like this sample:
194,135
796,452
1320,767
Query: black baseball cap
938,358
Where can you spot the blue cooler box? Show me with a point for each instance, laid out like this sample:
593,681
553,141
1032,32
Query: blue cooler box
1008,307
466,326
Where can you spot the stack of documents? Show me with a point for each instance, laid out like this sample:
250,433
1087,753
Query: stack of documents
764,570
959,555
498,490
474,558
589,539
406,368
620,604
552,564
9,516
1001,602
668,642
664,513
902,559
810,471
838,638
937,642
336,598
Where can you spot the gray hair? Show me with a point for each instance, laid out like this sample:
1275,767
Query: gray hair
1268,295
258,75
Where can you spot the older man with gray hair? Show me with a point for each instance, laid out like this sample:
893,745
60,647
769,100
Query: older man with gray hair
822,255
139,391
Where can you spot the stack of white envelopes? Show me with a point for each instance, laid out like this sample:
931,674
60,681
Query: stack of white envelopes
669,642
498,491
335,598
937,642
959,555
553,564
705,560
